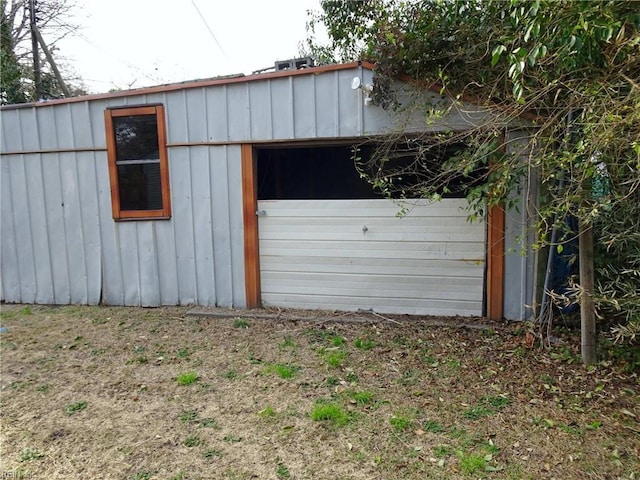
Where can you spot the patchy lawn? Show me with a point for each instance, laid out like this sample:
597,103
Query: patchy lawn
124,393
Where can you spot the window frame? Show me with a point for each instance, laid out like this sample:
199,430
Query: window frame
163,213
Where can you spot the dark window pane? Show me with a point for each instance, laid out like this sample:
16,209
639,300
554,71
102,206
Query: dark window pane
136,137
140,186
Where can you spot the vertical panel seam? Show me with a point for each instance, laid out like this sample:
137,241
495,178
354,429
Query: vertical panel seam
230,216
292,109
64,228
46,226
212,220
15,237
248,111
270,107
137,224
193,229
76,160
336,104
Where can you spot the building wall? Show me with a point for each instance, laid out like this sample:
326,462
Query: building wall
59,243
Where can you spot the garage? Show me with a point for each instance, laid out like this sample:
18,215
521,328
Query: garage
328,241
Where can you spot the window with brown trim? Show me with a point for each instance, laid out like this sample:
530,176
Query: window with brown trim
138,166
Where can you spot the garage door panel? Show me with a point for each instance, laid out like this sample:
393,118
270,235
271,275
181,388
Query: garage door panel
391,266
352,303
312,251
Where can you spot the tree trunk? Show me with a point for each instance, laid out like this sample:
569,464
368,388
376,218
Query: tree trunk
587,308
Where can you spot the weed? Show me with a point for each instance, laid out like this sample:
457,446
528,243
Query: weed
267,412
188,416
337,340
433,426
332,381
142,475
330,412
187,378
75,407
361,398
351,377
208,423
400,422
192,441
442,450
336,359
364,344
287,342
283,370
240,323
183,353
43,388
29,454
212,454
471,463
232,439
178,476
230,375
486,406
282,471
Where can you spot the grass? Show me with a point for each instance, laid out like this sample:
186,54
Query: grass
335,359
240,323
76,407
187,378
192,441
283,370
484,411
332,413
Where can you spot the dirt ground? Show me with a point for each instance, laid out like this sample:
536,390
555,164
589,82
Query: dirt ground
131,393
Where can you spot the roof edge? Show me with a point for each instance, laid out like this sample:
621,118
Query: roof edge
226,80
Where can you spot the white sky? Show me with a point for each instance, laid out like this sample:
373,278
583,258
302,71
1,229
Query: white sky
134,43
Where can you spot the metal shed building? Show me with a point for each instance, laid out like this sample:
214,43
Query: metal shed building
197,229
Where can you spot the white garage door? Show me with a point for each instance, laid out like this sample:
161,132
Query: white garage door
358,254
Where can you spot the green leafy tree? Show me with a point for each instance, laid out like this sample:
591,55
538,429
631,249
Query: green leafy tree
571,68
17,76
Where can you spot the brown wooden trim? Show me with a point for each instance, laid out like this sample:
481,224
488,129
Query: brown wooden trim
198,84
118,214
495,262
250,219
134,111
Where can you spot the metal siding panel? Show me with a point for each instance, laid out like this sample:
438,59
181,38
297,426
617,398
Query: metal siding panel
176,112
57,232
64,129
202,218
327,108
260,110
127,244
95,112
221,226
72,213
29,129
238,116
167,262
304,106
81,125
216,104
349,104
47,128
11,136
234,179
196,115
38,224
92,245
183,220
25,255
112,279
148,264
281,109
10,270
